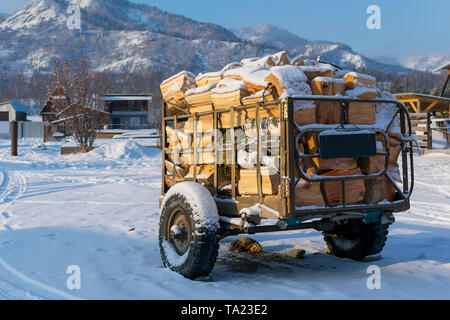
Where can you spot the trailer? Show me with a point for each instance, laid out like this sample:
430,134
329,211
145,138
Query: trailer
196,215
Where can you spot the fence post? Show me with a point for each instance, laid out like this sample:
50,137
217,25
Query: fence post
14,138
429,133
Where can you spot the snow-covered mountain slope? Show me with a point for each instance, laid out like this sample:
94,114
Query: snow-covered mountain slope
121,36
425,62
267,34
334,52
117,36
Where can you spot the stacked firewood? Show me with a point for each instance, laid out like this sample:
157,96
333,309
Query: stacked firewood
266,79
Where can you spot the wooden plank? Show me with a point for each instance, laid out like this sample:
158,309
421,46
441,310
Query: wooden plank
413,106
248,182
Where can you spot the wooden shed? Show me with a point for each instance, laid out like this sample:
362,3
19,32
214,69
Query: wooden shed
12,111
423,103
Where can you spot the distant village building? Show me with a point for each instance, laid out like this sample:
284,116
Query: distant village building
12,111
128,112
55,123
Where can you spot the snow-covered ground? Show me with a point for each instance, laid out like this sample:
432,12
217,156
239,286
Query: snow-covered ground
57,211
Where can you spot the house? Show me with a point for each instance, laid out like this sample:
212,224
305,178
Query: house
128,111
56,122
48,112
12,111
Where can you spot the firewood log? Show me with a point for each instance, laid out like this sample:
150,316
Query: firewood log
308,193
173,90
353,80
200,96
378,190
288,80
208,78
362,112
312,72
355,190
248,183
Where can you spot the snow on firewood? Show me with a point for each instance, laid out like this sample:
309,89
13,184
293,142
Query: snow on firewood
242,72
232,65
201,89
229,85
289,81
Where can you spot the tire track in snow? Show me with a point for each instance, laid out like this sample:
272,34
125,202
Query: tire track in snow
13,284
16,285
13,188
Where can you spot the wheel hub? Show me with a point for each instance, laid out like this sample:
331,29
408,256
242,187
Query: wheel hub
179,234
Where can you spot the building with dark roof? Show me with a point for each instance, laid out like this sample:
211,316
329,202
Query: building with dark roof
128,111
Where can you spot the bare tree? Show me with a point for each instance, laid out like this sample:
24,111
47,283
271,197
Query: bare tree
75,94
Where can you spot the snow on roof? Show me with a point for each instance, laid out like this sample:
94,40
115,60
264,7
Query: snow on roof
445,66
16,106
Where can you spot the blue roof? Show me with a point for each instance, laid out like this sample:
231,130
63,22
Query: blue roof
17,106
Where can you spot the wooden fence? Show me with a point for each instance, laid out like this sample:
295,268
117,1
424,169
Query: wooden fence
421,125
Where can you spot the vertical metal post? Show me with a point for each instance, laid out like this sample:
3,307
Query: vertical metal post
429,132
343,192
215,129
163,146
291,155
195,119
14,137
177,154
283,173
233,155
258,153
404,155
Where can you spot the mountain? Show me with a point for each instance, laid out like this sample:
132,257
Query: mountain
270,35
117,36
123,37
334,52
425,62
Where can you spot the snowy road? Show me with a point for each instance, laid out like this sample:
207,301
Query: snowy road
57,211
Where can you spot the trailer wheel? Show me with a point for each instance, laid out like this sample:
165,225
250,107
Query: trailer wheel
189,230
356,239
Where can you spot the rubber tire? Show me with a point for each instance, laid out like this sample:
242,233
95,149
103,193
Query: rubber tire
205,236
365,239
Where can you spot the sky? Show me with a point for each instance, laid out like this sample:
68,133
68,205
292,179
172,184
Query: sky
408,27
